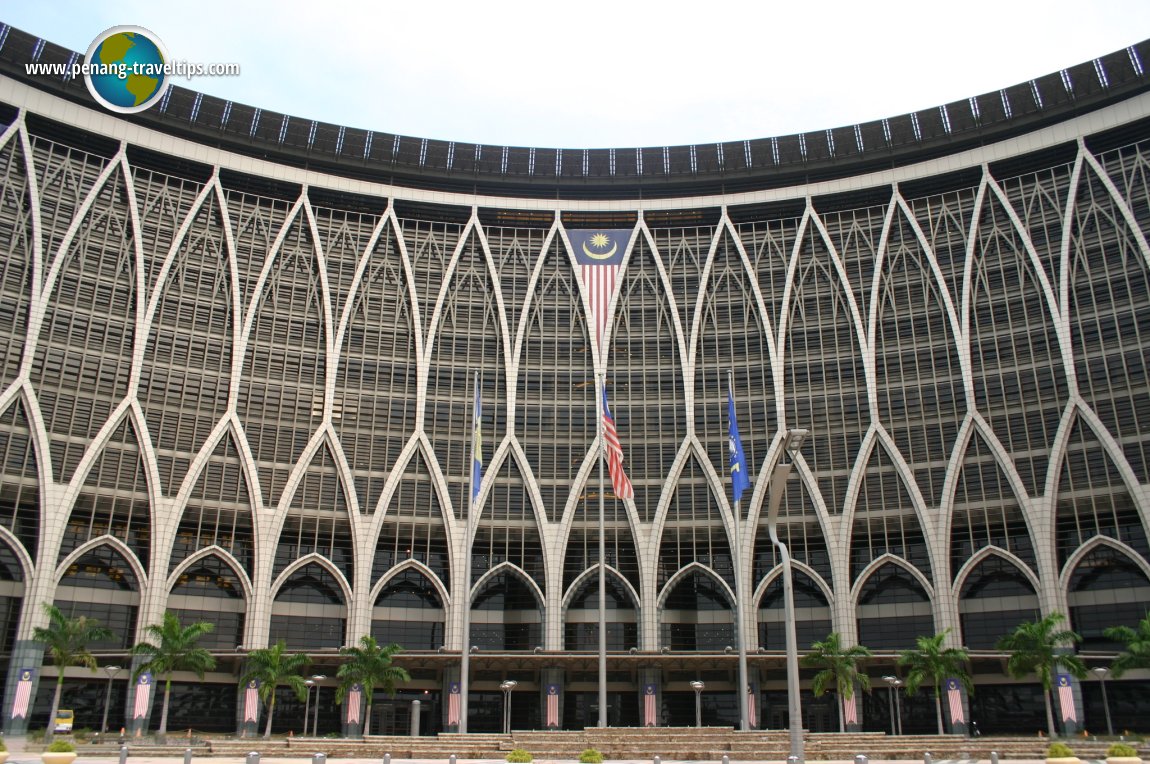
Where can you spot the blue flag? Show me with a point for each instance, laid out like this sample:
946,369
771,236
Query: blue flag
740,480
477,445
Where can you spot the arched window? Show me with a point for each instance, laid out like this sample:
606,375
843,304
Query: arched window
409,613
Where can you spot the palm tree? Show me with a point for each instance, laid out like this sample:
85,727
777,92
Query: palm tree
840,669
271,667
1034,649
173,649
930,662
1137,646
369,665
66,640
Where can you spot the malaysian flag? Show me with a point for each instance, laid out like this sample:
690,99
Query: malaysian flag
599,254
453,704
1066,698
851,709
143,696
954,696
23,693
619,482
353,702
252,701
552,705
752,714
650,712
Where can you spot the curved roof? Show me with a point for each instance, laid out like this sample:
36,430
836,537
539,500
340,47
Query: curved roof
635,172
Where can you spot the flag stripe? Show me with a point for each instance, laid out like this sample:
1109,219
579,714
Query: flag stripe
23,694
1066,699
752,714
649,710
620,484
143,696
850,710
955,698
251,704
453,704
552,705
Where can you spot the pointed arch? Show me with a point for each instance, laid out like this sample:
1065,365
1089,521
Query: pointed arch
581,547
693,528
684,251
211,586
20,479
892,605
1107,584
800,526
102,579
19,256
16,568
219,510
318,519
414,527
1014,345
814,618
509,528
1091,498
431,238
409,608
310,605
696,610
346,225
164,203
581,607
996,592
506,610
885,517
859,237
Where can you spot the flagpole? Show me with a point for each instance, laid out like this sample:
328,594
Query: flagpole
465,657
744,724
602,569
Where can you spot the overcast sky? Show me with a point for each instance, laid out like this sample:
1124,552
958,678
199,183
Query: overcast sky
594,73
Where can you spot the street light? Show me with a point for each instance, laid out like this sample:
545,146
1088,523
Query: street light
507,686
895,683
1101,672
317,678
697,686
111,671
792,442
307,704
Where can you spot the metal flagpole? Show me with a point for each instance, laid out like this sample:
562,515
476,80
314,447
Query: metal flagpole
602,569
738,562
465,658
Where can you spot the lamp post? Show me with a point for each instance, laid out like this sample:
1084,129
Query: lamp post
317,678
307,704
697,686
792,443
111,671
507,686
1101,672
895,683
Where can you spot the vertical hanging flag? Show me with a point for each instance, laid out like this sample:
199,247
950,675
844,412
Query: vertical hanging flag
599,254
354,698
477,444
552,705
619,482
752,713
1066,698
851,709
740,480
252,701
954,697
453,704
650,711
143,696
23,694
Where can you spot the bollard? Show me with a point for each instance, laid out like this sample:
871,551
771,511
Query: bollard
451,759
253,757
319,758
415,718
994,757
387,758
861,758
658,760
927,758
792,760
726,759
187,756
123,754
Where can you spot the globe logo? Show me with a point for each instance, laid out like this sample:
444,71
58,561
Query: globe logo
125,69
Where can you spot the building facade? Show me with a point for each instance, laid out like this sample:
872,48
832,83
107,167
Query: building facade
239,352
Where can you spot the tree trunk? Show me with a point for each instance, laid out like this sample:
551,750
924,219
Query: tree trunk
367,722
842,716
55,706
271,710
164,711
938,708
1049,713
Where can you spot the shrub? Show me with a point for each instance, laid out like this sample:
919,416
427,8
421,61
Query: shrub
519,756
60,746
1121,750
2,746
36,736
591,756
1059,751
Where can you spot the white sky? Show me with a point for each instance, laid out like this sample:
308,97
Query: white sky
594,73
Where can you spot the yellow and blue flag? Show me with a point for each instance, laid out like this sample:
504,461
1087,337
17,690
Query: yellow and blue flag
740,479
477,444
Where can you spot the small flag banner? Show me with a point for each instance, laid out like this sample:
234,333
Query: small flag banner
752,713
453,704
252,701
23,693
620,484
354,701
851,709
650,710
740,480
476,444
599,254
552,705
954,697
143,696
1066,698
